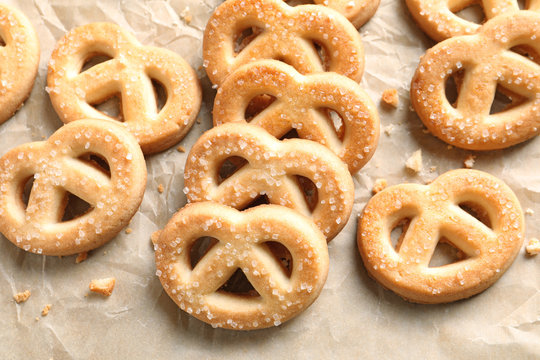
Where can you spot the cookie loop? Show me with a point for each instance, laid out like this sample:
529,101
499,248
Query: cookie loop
128,74
287,34
273,170
487,63
63,165
435,212
438,19
299,104
19,59
242,239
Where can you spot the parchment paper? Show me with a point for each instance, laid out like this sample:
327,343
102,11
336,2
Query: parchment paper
353,318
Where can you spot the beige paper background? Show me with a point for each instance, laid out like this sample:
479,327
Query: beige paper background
353,318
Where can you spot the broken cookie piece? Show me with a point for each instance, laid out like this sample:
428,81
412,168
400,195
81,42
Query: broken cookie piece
103,286
379,185
22,296
414,162
390,97
533,247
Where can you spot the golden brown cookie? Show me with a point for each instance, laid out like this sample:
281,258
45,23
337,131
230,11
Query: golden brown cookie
302,103
438,18
19,60
281,32
95,160
485,63
437,212
243,241
128,74
266,167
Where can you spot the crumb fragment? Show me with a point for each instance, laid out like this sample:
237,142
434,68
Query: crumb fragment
468,163
379,185
449,147
529,211
533,247
388,130
45,310
37,319
129,230
160,188
390,97
181,149
103,286
414,163
198,120
155,236
433,169
425,131
81,257
186,15
22,296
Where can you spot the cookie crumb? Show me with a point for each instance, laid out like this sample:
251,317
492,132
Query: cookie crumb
468,163
390,97
533,247
433,169
160,188
186,15
129,230
529,211
425,131
103,286
37,318
22,296
181,149
45,310
81,257
379,185
388,130
449,147
198,120
414,163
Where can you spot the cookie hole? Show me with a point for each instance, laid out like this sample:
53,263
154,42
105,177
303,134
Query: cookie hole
2,42
501,102
478,212
244,37
451,90
160,93
283,256
257,105
97,162
93,60
309,190
324,56
397,234
75,207
239,284
111,107
259,200
229,167
473,13
335,120
291,134
299,2
527,52
199,248
522,4
445,254
25,188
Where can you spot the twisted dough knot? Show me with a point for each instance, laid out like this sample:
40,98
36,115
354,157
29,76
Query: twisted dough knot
129,72
242,243
298,105
272,169
287,34
437,18
435,213
62,165
487,62
19,60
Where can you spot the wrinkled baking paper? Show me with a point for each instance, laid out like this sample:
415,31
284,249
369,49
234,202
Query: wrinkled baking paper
353,318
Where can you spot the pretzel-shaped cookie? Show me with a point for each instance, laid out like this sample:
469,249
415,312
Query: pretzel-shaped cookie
287,34
129,72
358,12
298,100
62,165
272,170
435,213
19,60
486,61
242,244
437,18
